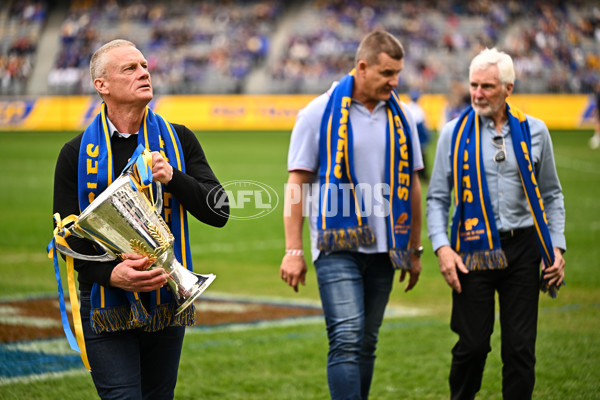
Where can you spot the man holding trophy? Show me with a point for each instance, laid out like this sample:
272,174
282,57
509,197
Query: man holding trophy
133,322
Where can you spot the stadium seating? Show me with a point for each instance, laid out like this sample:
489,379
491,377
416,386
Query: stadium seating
191,47
266,46
21,24
556,45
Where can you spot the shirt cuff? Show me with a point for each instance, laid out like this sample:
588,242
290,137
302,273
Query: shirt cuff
558,240
438,240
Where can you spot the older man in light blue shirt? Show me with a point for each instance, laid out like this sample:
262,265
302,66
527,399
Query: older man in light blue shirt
515,275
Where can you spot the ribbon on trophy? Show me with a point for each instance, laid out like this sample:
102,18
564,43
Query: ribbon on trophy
60,235
141,180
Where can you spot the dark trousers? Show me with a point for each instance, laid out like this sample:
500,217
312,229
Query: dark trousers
473,320
132,364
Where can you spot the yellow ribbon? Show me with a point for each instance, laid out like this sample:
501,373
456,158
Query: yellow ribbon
60,234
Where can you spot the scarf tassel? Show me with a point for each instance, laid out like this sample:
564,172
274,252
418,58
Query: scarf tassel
345,238
552,290
485,260
163,317
186,318
400,259
119,318
125,317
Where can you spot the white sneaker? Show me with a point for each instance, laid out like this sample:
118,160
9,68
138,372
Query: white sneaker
594,142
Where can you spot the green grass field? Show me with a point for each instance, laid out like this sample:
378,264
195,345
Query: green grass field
288,362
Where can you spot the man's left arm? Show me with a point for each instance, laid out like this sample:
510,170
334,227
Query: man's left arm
198,189
415,234
415,205
554,207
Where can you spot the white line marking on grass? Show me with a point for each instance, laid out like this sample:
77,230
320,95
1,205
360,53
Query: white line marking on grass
42,377
272,300
33,322
391,312
247,326
11,316
237,247
577,165
23,257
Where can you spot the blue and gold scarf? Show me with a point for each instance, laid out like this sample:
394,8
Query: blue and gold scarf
474,234
115,309
348,229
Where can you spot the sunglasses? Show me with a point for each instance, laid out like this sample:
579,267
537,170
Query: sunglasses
500,155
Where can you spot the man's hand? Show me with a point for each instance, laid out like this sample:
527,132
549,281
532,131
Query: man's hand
131,275
449,262
162,171
555,274
293,270
414,272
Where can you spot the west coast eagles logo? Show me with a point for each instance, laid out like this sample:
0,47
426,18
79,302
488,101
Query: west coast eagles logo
400,226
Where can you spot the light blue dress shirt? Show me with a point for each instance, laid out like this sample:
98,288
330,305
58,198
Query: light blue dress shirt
511,210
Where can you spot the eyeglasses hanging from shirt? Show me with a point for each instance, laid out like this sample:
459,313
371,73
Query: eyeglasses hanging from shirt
498,142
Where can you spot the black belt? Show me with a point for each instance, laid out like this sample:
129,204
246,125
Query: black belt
506,235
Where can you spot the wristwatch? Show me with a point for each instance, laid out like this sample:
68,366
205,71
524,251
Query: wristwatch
417,252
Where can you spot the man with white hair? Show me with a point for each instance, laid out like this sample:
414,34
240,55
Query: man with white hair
509,216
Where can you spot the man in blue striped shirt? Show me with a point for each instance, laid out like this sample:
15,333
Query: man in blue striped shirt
516,277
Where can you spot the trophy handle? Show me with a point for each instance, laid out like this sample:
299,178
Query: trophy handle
68,252
158,205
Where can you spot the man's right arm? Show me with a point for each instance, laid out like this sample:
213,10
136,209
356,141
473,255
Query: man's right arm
293,266
303,161
438,206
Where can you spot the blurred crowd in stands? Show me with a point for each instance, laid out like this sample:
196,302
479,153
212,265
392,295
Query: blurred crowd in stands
302,46
21,23
191,47
555,44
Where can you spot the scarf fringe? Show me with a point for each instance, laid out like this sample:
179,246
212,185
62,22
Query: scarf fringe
119,318
186,318
345,238
164,316
400,259
551,290
485,260
134,315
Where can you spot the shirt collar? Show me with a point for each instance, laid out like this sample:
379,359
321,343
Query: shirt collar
114,131
488,123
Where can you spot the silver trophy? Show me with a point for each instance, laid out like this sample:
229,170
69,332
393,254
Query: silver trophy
124,219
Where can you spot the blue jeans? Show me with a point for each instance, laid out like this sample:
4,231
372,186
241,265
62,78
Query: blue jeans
132,364
355,289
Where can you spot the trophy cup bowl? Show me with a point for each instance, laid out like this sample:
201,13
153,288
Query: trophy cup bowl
122,219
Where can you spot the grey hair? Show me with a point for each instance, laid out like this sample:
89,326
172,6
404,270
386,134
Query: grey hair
97,63
488,57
